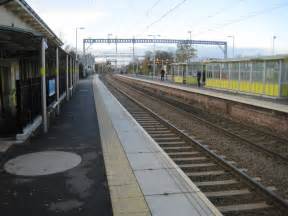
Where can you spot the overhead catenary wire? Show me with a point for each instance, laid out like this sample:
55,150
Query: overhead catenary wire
153,6
249,16
224,9
166,14
218,12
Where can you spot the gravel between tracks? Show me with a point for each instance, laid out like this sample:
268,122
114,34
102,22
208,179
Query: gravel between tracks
270,171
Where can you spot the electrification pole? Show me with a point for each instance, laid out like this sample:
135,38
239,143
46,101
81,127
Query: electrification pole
154,57
116,53
188,60
273,45
133,55
80,28
233,41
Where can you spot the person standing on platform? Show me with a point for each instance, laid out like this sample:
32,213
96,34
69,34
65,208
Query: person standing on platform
162,74
204,78
199,78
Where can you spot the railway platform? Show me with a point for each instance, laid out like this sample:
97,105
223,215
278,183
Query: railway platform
96,162
142,179
40,182
265,112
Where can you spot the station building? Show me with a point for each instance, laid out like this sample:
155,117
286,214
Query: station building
36,74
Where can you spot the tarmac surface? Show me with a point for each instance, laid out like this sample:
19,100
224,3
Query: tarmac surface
82,190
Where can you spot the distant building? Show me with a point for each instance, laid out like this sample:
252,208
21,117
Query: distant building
88,62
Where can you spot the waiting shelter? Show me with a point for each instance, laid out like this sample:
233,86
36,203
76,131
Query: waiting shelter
186,73
266,76
36,74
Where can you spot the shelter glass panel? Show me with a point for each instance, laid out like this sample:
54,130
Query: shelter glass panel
217,70
257,71
244,71
209,72
234,71
190,69
225,71
284,78
272,71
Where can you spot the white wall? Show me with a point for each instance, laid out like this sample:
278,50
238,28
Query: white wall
7,18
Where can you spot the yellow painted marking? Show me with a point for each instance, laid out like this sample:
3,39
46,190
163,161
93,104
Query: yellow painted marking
42,71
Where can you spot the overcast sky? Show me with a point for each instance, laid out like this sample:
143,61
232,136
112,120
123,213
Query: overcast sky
252,22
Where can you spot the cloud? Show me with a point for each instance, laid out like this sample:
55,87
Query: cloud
73,18
64,23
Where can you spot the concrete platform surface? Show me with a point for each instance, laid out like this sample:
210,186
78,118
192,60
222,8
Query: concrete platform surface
81,190
139,172
245,99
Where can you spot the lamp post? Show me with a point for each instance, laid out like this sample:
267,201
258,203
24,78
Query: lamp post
133,49
80,28
190,32
154,37
233,38
273,44
116,50
188,60
108,35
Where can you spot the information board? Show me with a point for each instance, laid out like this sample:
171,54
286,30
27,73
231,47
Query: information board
51,87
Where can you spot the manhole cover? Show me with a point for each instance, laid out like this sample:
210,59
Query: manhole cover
42,163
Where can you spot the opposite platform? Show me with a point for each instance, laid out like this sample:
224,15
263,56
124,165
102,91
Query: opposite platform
142,179
261,102
256,112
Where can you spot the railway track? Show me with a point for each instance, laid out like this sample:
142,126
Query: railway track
231,190
268,143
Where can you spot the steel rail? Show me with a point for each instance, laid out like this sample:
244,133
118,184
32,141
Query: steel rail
270,195
230,133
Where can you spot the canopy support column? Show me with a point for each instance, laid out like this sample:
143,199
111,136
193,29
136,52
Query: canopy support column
43,85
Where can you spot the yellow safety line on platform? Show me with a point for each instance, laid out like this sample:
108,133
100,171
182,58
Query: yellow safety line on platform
126,195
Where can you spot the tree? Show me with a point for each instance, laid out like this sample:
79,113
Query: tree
149,55
146,63
185,52
164,55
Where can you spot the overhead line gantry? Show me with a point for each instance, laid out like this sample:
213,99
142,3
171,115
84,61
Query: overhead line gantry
221,44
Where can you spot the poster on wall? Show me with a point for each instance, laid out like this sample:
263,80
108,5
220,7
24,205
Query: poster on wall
51,87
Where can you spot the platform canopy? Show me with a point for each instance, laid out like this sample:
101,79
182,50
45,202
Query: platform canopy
26,14
16,40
